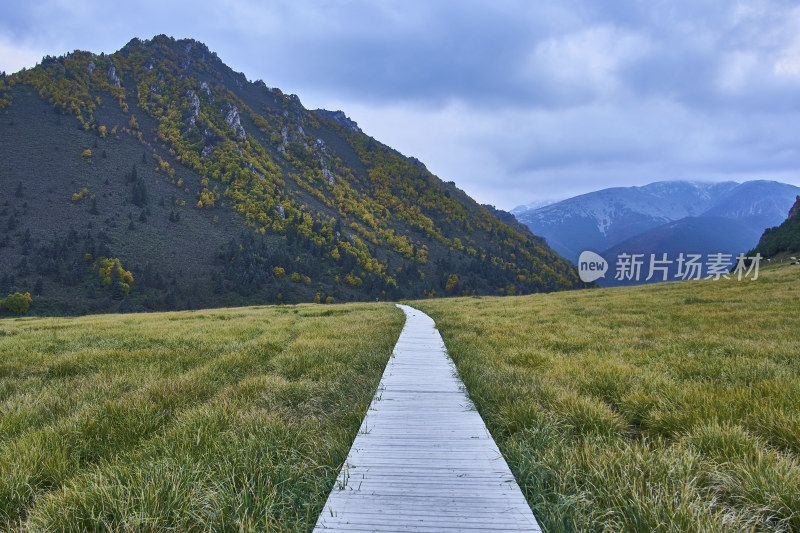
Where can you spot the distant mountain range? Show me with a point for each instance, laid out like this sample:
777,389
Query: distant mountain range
535,205
670,217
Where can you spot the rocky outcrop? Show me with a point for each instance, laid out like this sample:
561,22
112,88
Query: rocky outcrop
323,152
239,79
233,120
113,79
284,140
90,67
186,63
341,118
206,89
195,102
419,164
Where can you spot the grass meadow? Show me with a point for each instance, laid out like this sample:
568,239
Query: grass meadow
218,420
670,407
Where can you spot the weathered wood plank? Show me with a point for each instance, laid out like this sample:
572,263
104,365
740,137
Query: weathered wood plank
423,459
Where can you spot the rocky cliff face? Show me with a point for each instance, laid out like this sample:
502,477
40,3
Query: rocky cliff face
341,118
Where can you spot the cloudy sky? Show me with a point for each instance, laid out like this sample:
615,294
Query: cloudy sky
514,100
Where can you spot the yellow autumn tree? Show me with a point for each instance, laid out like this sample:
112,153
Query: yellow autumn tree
452,281
18,303
113,276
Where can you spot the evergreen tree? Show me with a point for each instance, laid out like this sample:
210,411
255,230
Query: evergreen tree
139,196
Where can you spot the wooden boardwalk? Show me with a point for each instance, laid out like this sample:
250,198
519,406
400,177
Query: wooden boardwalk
423,459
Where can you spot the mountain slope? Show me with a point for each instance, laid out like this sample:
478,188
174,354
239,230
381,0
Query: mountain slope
214,190
783,239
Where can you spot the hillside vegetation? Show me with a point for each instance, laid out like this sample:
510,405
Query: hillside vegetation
671,407
214,190
783,239
224,420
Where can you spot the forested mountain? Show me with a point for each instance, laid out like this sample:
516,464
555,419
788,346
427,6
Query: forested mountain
783,239
158,178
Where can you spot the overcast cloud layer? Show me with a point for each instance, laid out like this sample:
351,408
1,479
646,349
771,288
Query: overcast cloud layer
515,101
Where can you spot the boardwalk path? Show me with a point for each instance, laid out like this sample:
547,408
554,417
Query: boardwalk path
423,459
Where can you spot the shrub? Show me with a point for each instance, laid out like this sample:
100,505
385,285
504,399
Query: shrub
452,281
114,277
76,197
352,280
18,303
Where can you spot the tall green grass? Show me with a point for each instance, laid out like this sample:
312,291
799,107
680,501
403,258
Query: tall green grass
217,420
673,407
670,407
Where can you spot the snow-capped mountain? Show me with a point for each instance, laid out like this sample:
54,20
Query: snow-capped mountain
661,216
534,205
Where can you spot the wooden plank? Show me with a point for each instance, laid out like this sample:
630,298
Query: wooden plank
423,459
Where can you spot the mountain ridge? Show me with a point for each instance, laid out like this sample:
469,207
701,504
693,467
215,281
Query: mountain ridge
606,219
244,196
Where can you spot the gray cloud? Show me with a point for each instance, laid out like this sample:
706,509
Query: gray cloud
513,99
